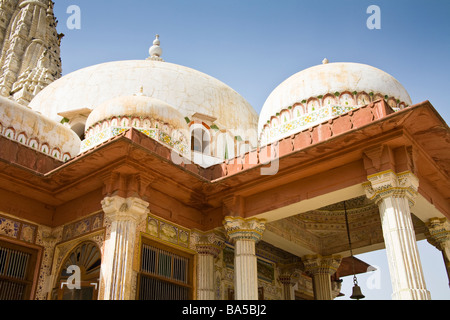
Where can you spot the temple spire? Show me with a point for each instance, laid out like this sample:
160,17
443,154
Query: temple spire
29,55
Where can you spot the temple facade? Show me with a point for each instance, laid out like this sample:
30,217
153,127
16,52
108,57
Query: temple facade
147,180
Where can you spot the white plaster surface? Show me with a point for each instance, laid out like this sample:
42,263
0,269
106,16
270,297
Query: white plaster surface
187,90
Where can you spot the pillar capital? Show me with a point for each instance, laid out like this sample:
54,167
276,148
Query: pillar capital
387,184
438,232
210,243
118,208
287,279
439,236
316,264
238,228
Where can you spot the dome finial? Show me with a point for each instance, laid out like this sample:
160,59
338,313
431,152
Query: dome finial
325,61
155,50
141,92
156,42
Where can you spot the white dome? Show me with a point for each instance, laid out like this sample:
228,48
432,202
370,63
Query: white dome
151,116
37,132
187,90
136,107
333,79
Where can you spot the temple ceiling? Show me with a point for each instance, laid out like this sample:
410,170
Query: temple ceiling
324,230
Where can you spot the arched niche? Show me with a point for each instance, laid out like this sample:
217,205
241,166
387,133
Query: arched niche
79,275
200,139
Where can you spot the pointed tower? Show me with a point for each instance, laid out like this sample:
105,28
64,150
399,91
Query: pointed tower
30,48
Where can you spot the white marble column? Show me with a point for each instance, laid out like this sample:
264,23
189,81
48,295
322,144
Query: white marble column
208,247
245,233
394,194
123,216
439,236
321,269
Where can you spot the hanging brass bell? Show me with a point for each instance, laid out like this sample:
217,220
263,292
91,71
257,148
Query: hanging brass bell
357,294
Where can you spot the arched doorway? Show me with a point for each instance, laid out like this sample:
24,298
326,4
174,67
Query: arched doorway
80,274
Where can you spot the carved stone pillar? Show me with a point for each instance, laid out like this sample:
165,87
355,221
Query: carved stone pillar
47,238
439,236
245,233
209,247
124,215
321,269
394,194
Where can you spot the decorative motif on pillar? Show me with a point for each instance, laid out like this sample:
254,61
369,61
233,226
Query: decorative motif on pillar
390,184
395,194
210,244
239,228
316,264
208,247
124,216
245,233
439,236
130,209
47,238
288,281
321,269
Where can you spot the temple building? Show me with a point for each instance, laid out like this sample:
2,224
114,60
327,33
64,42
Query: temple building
147,180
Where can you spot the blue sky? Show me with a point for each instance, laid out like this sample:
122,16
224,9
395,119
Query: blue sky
254,45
